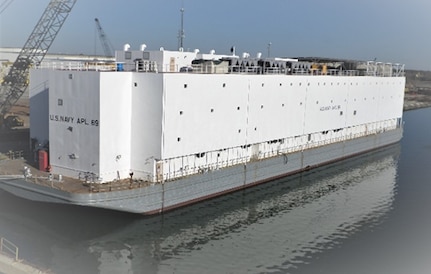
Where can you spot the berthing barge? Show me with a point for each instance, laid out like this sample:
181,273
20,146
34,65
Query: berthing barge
162,129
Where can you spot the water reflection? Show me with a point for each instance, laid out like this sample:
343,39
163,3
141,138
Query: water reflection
276,226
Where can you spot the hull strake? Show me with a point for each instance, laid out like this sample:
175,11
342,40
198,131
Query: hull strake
170,195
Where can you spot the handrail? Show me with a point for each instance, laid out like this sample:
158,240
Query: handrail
11,248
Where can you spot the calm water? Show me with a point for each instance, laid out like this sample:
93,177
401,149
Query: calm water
365,215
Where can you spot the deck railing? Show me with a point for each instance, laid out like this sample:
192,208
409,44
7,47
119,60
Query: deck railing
9,248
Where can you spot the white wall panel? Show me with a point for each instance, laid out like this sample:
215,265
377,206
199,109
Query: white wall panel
146,125
326,103
276,105
362,101
115,124
73,105
391,97
201,113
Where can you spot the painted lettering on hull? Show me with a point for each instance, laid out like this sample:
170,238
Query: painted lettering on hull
73,120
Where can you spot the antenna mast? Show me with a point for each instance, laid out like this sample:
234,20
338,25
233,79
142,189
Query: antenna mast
181,34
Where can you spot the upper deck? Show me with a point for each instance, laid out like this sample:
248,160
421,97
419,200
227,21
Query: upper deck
164,61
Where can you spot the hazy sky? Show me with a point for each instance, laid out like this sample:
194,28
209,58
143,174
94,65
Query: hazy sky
390,30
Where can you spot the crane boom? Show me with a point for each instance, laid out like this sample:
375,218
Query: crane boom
15,82
104,39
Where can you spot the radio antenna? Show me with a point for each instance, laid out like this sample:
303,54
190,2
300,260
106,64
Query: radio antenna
181,34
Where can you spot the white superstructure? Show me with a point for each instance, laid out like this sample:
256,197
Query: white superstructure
163,115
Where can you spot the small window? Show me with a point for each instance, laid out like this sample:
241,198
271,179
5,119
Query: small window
146,55
181,112
135,84
60,102
238,108
309,137
354,112
282,105
179,139
128,55
341,113
212,110
224,85
281,84
185,85
261,106
263,84
71,76
239,130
